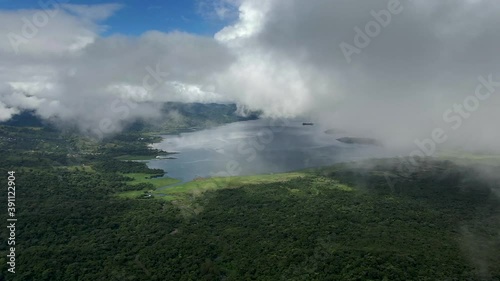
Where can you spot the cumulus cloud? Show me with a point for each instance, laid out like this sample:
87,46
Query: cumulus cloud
426,60
107,82
282,57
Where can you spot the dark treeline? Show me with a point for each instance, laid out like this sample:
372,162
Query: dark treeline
114,166
312,228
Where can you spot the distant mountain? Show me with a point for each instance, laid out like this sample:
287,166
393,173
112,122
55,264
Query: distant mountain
178,116
211,111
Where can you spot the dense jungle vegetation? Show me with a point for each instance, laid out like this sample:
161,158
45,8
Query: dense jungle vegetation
353,221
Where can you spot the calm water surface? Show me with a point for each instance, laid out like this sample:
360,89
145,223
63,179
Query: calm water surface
256,147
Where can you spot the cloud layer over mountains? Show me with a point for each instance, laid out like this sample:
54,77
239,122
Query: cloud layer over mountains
385,68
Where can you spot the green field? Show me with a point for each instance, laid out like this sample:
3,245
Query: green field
132,194
146,178
197,187
141,178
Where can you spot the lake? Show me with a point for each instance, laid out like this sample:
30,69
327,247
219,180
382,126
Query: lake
256,147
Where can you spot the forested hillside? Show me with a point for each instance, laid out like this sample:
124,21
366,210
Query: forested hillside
337,223
355,221
192,116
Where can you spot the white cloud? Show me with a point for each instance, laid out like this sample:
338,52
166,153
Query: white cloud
279,57
7,112
67,72
251,20
44,33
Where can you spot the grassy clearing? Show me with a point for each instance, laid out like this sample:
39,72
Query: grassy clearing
131,194
199,186
187,191
319,181
146,178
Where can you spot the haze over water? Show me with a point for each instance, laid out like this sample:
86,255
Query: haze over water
256,147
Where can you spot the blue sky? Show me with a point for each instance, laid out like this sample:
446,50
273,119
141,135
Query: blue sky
137,16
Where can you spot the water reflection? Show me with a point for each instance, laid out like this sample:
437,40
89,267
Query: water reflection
256,147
